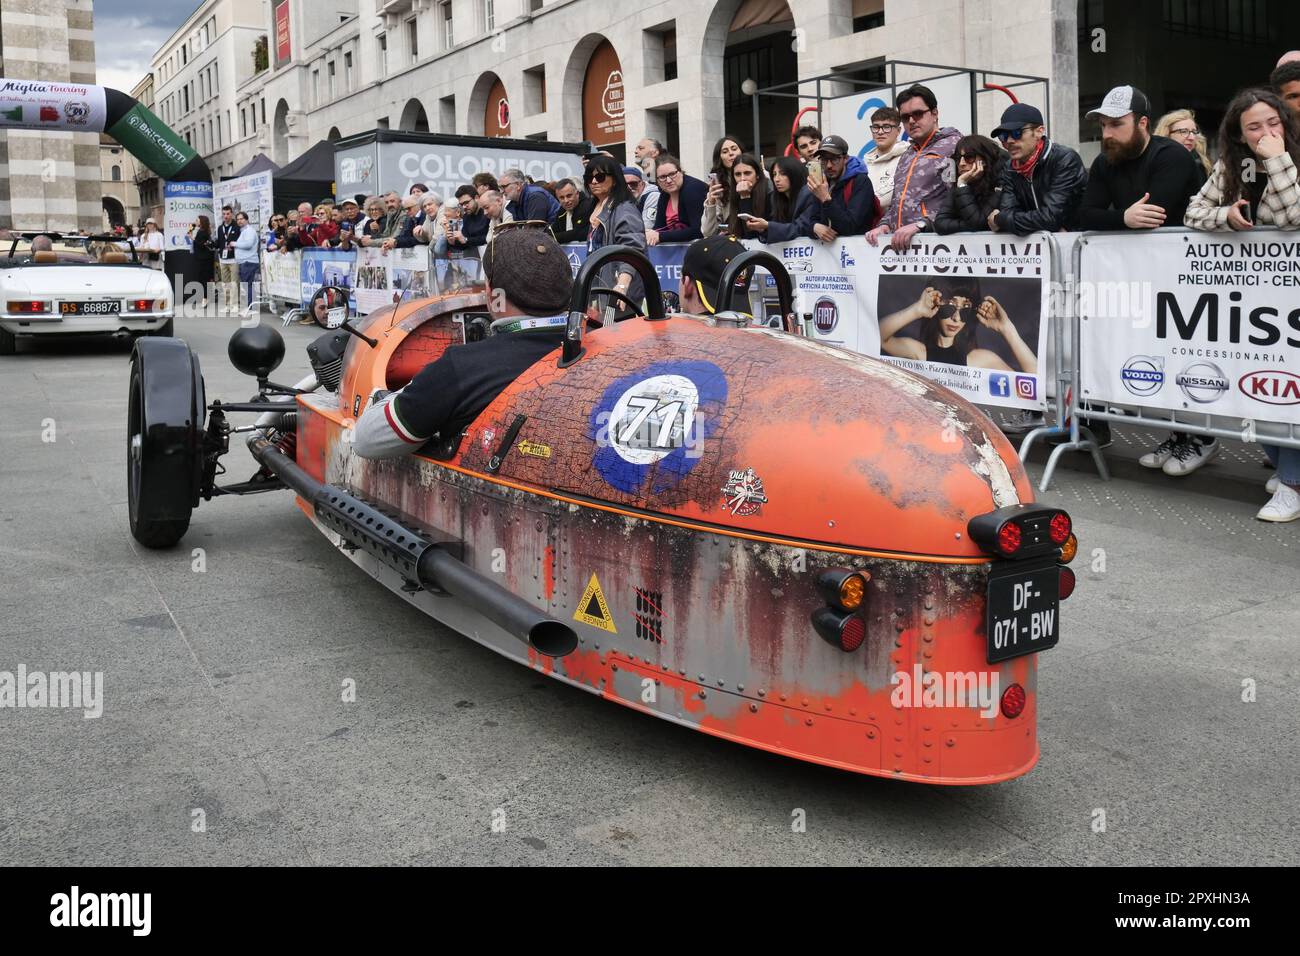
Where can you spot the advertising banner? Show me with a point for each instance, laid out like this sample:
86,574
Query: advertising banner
386,277
281,275
247,194
1206,323
379,167
182,204
283,48
148,140
33,104
326,267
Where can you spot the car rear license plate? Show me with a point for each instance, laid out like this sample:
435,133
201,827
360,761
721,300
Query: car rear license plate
108,307
1023,614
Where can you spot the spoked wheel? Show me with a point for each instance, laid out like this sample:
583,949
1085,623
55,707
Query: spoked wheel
165,407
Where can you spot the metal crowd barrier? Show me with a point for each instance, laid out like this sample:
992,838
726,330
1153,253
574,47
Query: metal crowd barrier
1071,406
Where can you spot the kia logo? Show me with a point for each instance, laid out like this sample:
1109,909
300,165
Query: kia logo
1272,387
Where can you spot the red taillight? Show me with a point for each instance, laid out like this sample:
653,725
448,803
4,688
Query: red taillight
1009,538
26,306
1013,701
1066,587
1059,529
852,634
142,305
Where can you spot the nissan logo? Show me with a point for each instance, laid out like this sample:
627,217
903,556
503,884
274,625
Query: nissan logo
1203,382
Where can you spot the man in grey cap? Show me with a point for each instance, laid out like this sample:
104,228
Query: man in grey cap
529,284
1139,181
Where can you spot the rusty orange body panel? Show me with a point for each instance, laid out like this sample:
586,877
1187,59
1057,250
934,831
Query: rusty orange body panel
685,552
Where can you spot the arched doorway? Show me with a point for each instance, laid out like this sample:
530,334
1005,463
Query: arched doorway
414,119
114,214
489,107
602,100
280,134
750,40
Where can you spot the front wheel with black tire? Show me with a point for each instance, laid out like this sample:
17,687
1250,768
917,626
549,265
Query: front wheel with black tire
165,410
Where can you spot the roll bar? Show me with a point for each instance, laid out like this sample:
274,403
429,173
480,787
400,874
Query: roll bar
585,279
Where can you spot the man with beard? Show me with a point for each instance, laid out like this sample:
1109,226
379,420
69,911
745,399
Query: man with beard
1139,181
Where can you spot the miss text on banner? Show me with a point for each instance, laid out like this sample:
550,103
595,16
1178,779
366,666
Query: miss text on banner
1193,322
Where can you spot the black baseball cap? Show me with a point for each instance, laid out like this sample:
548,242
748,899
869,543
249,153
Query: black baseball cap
1016,117
706,260
834,145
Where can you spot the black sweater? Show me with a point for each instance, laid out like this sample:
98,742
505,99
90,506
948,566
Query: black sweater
1165,170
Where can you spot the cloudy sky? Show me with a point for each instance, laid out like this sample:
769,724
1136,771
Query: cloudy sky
129,32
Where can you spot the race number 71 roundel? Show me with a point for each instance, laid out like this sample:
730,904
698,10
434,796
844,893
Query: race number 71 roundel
651,425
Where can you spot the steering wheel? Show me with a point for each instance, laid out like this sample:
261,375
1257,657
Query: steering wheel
615,294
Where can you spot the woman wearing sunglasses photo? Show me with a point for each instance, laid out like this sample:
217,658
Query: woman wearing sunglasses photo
615,221
950,312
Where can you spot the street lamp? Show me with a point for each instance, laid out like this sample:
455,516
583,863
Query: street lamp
750,89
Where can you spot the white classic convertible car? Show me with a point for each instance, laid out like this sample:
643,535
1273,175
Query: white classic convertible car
79,285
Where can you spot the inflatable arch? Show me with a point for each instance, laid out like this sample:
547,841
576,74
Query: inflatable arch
81,108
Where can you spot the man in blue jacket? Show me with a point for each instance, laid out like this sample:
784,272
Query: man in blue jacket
527,201
844,190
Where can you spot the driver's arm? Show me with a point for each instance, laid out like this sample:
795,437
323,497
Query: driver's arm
402,421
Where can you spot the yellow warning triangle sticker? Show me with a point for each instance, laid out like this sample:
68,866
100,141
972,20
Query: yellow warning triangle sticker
593,610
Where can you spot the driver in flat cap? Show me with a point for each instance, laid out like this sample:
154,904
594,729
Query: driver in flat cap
529,284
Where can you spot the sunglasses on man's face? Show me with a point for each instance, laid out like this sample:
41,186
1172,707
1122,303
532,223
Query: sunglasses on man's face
1006,134
915,116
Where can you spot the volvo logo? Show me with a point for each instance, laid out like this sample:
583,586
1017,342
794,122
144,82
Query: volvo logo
1143,374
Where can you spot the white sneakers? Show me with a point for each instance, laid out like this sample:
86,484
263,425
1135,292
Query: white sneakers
1271,485
1189,455
1283,506
1160,455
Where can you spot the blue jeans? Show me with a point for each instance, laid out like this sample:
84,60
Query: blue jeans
247,276
1287,463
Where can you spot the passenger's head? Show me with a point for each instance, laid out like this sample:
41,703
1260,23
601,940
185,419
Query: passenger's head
886,127
1285,80
1020,130
806,141
527,273
1125,116
919,110
702,268
669,174
44,243
604,179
